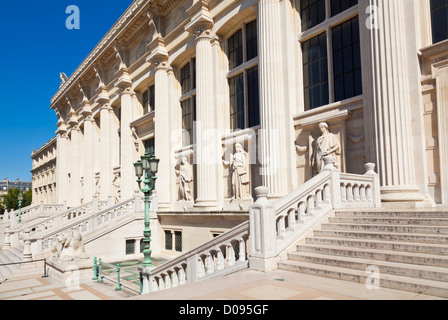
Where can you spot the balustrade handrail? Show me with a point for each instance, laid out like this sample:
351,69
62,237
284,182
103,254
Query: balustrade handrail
84,218
216,242
59,215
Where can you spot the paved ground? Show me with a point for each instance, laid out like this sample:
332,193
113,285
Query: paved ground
247,285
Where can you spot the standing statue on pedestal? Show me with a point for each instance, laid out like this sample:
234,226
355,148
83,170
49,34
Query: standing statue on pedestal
326,145
185,173
117,187
239,163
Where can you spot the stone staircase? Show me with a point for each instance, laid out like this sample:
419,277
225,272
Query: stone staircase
11,256
406,250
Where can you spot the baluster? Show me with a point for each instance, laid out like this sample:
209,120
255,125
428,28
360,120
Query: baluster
291,219
318,197
343,192
310,206
220,258
201,268
242,253
174,279
161,283
369,193
362,193
281,227
230,255
182,273
356,193
167,278
349,193
210,263
300,212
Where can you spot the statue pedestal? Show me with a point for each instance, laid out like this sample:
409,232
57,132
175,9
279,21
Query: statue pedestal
70,272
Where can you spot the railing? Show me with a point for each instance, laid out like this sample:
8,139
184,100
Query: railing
275,227
41,242
30,212
224,254
14,232
98,275
26,262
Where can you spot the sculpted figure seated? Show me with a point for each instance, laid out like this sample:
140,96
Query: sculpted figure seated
69,246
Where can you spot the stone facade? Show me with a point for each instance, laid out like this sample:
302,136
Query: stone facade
44,173
192,79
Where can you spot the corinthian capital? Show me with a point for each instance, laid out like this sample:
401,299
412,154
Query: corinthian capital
201,27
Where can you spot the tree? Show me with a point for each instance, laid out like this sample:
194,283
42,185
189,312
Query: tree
11,201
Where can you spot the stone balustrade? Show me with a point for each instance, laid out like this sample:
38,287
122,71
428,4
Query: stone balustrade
276,226
42,241
224,254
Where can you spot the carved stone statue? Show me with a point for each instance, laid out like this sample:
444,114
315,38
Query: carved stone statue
185,173
97,187
69,247
326,145
239,163
117,187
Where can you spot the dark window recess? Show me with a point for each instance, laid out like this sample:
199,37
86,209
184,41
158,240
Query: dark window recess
168,240
439,20
130,247
347,60
178,241
315,72
312,13
235,50
236,85
338,6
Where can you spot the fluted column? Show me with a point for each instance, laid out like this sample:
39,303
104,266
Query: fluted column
88,152
274,130
162,126
74,165
105,152
127,141
387,104
207,139
61,168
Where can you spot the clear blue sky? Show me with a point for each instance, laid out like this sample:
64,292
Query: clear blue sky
35,47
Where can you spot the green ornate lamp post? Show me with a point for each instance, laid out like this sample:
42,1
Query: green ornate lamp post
147,167
20,198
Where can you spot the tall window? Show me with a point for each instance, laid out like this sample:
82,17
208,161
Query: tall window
149,100
188,101
439,20
242,50
334,51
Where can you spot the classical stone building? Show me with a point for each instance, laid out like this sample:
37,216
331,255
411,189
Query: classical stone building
188,80
44,173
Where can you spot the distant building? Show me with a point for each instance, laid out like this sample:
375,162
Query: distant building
6,184
44,173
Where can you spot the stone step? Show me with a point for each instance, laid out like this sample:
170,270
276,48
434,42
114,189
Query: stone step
374,254
439,249
393,214
433,273
386,228
425,286
385,236
390,221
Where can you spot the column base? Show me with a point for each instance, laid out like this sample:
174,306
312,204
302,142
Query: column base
206,205
406,197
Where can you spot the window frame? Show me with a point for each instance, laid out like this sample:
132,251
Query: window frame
150,107
189,96
243,69
327,27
